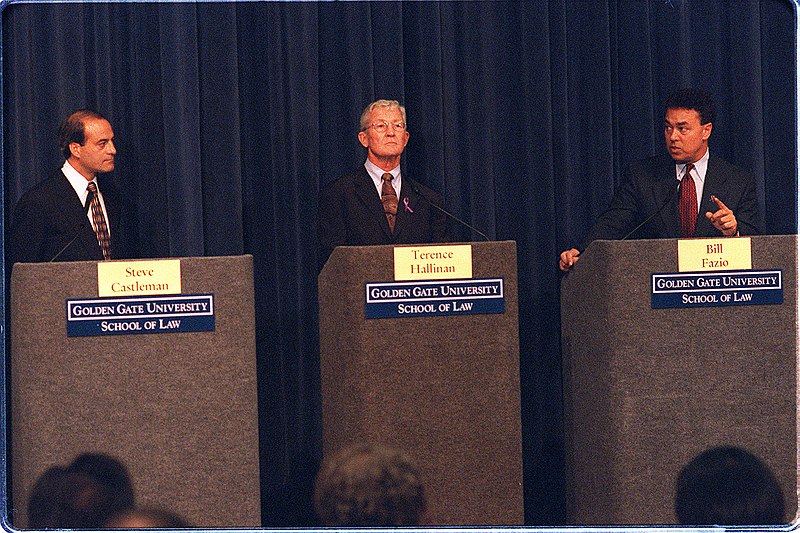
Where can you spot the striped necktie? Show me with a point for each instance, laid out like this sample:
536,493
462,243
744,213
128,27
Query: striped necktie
389,200
99,220
688,204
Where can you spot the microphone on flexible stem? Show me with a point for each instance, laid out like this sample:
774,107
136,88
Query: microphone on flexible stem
651,217
416,189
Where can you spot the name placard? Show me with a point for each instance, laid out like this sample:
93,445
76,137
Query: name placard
432,262
126,316
138,278
712,289
432,298
725,253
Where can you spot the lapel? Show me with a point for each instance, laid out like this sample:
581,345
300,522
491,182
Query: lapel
665,187
406,206
368,195
714,185
110,199
75,217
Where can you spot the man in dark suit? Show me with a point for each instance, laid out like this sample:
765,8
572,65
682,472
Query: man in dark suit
377,204
55,220
716,197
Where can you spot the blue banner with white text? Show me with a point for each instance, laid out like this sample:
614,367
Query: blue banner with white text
151,314
433,298
711,289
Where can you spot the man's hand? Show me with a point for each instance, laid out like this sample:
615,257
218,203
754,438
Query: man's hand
568,258
723,219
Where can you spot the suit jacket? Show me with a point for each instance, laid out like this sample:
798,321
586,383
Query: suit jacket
49,216
351,214
651,184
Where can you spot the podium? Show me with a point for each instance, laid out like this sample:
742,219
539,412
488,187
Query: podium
178,409
646,390
443,388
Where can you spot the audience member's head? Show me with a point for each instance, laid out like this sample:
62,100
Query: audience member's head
44,507
147,518
728,486
369,485
82,495
111,473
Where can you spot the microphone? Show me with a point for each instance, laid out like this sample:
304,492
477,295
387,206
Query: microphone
416,189
77,233
651,217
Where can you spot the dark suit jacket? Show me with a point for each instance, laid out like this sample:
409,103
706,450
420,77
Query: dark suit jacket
651,184
50,215
351,214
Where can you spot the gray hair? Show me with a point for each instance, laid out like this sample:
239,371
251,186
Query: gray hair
388,104
369,485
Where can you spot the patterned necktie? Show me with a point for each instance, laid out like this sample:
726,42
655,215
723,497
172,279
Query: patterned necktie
99,220
389,200
688,204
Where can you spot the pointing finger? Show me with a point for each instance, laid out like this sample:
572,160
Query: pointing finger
719,203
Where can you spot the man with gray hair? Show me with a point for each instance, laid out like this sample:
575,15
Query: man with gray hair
378,204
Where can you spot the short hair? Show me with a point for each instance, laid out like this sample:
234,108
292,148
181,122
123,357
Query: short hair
147,517
72,129
111,473
728,486
387,104
84,494
695,99
44,501
369,485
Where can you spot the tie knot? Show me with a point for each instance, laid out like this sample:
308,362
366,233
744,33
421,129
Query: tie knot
91,187
387,177
689,168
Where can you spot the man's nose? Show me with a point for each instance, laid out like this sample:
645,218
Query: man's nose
111,148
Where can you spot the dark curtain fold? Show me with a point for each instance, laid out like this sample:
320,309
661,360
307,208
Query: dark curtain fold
231,116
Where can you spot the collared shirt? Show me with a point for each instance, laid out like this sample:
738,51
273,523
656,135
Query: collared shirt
79,183
376,173
698,174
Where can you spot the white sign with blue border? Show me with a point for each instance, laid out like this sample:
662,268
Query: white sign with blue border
711,289
433,298
151,314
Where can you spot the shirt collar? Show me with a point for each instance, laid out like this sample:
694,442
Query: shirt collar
700,167
77,181
376,173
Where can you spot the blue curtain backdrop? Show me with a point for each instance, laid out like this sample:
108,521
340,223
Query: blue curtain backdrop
231,116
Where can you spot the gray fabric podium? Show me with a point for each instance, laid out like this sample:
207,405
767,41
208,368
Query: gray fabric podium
443,388
179,409
644,393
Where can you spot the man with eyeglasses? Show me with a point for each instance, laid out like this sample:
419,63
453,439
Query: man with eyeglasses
377,204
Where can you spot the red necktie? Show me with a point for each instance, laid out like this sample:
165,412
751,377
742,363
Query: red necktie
389,199
688,204
99,221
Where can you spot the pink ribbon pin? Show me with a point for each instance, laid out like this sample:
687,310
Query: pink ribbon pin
405,202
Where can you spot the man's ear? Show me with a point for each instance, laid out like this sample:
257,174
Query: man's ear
75,149
362,138
707,130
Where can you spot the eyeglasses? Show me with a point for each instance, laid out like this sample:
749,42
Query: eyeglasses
382,127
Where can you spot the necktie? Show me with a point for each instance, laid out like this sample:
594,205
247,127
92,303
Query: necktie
389,200
99,220
688,204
